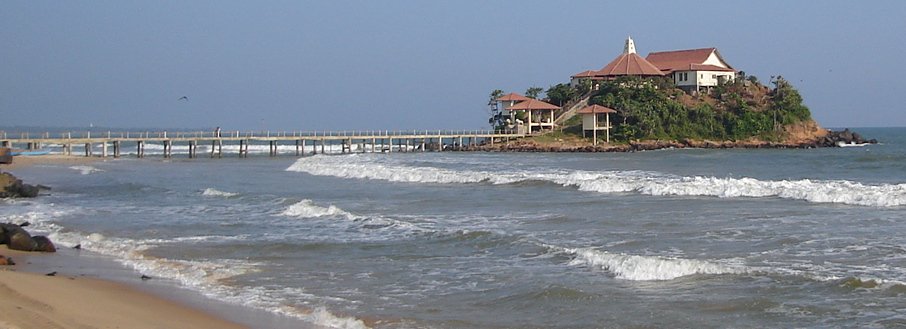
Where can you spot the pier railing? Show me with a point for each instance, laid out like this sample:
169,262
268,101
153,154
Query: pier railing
346,141
240,134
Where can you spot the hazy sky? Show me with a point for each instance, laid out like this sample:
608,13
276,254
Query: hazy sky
315,65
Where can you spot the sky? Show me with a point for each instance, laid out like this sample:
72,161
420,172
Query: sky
393,65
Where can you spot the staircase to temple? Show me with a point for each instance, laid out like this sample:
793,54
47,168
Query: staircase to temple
570,109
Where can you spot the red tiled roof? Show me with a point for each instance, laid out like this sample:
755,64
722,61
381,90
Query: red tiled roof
629,64
585,74
698,67
678,60
512,97
533,104
596,109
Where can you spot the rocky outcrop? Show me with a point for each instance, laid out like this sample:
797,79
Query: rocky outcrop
637,146
845,137
12,187
17,238
798,136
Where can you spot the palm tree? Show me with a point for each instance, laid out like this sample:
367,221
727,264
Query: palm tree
494,108
533,92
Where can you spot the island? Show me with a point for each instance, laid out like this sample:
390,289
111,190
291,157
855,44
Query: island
668,99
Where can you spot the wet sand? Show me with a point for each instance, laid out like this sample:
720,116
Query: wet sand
35,300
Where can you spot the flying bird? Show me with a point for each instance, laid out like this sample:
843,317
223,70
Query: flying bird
184,98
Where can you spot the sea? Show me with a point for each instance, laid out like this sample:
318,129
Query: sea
676,238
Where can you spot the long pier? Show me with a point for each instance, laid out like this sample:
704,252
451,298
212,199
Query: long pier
373,141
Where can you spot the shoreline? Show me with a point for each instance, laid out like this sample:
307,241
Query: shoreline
20,162
36,300
119,298
113,283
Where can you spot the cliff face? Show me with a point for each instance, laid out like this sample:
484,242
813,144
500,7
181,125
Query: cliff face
804,132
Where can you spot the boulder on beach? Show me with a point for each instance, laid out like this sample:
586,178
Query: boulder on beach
12,187
43,244
6,260
17,238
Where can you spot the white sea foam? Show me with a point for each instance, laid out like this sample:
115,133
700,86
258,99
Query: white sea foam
202,276
86,170
346,167
647,268
214,192
307,209
648,183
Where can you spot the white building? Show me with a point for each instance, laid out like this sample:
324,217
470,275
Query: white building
694,69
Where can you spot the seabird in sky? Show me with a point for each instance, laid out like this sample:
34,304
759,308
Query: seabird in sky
184,98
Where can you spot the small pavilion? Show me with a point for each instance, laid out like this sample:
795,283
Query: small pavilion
591,116
511,99
540,114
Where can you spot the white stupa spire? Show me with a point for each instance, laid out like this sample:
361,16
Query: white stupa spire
630,46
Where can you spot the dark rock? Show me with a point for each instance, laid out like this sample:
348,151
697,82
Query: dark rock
78,246
6,260
43,244
54,273
12,187
20,240
145,277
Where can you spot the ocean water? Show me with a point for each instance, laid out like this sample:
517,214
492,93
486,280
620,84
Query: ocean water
670,238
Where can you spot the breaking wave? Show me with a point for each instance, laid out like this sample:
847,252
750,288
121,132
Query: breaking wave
307,209
86,170
647,183
214,192
647,268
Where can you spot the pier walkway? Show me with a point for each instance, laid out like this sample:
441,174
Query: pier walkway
313,142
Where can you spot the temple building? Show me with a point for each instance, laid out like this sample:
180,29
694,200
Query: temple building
629,63
692,70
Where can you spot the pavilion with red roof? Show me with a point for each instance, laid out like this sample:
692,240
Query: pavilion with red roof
540,114
512,99
591,119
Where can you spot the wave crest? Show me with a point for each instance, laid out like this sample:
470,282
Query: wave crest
647,268
86,170
214,192
307,209
648,183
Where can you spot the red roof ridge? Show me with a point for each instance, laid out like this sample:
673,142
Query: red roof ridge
512,97
629,64
533,104
596,109
682,50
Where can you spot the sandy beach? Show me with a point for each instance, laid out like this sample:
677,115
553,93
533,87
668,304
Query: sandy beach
35,300
25,161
